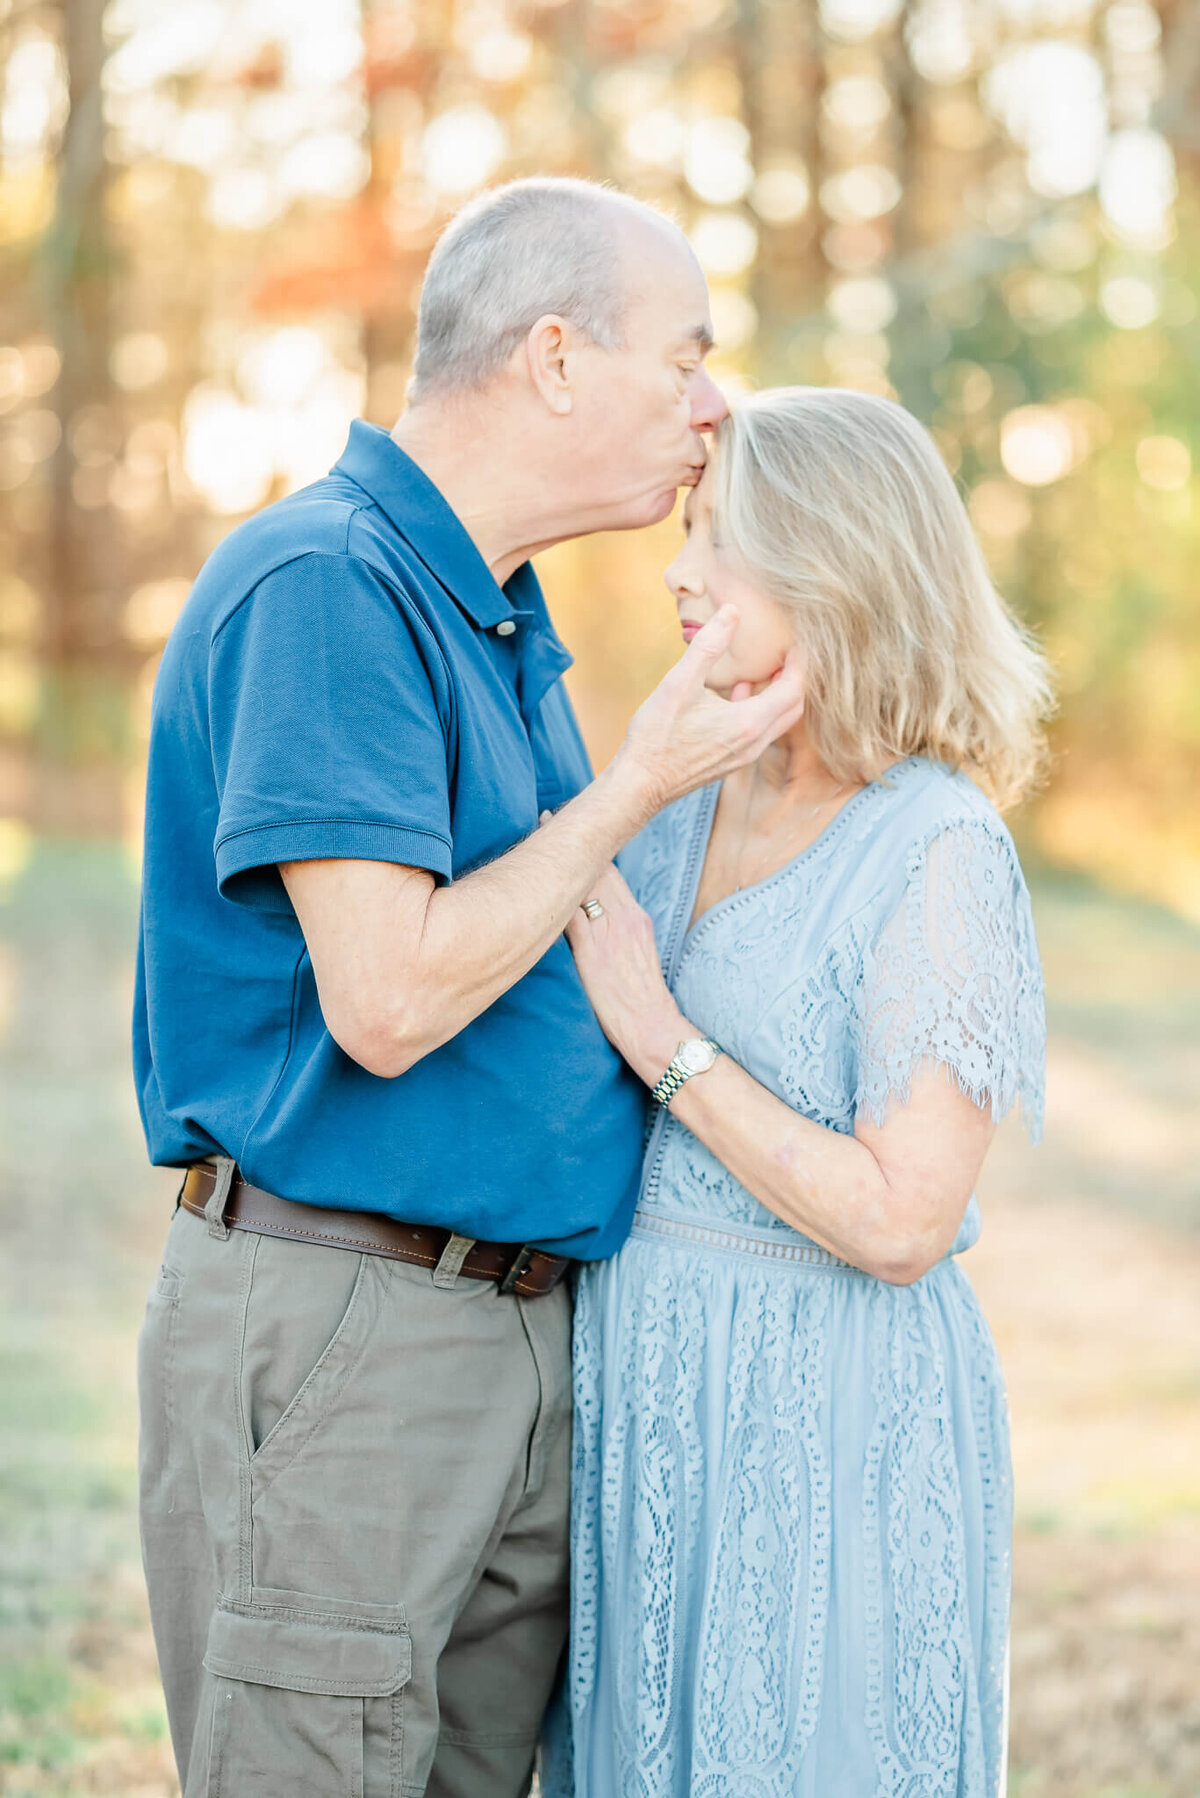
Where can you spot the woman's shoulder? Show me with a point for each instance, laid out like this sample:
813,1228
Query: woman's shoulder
950,969
928,820
924,800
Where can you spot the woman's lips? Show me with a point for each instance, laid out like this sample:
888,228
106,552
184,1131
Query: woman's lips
689,628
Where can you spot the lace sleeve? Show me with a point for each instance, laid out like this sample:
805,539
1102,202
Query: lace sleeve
954,978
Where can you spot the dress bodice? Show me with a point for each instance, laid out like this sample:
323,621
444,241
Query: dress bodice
903,935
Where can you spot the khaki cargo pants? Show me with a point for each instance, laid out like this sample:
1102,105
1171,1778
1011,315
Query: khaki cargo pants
354,1492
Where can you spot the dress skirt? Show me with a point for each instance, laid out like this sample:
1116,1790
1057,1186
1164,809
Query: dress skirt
791,1527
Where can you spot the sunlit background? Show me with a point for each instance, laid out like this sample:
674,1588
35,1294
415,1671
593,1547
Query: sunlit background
213,219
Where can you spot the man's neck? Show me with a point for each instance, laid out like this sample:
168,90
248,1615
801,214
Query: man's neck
494,496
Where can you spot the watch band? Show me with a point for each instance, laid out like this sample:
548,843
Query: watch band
678,1072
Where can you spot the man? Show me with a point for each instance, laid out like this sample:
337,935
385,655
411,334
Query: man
358,1025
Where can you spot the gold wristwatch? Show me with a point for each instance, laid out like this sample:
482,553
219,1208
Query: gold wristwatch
695,1056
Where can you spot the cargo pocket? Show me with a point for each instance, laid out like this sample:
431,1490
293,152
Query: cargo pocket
306,1699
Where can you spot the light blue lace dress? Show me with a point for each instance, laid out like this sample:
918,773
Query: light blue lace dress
792,1490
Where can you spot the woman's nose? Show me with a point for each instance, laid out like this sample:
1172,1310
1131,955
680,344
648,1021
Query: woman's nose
680,582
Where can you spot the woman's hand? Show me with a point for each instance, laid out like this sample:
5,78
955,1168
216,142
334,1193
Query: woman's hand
618,963
889,1199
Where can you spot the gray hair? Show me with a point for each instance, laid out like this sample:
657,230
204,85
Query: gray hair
547,244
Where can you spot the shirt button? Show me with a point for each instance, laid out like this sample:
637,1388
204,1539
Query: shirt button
505,628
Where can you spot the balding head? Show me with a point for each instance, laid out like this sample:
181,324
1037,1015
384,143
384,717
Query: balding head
544,246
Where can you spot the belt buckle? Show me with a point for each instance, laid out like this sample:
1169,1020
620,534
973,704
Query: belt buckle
521,1263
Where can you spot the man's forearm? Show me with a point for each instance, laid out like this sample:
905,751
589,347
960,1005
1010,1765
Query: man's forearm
483,932
401,967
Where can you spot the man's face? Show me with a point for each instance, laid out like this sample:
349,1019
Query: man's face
640,410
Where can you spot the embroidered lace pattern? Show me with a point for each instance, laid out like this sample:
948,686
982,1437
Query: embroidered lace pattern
727,1368
953,978
921,1711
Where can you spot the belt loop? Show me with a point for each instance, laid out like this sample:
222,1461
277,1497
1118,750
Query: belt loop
452,1257
214,1211
521,1263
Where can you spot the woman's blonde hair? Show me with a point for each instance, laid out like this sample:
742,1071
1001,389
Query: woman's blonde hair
838,503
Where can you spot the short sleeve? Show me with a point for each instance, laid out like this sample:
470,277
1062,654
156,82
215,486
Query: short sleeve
328,708
953,978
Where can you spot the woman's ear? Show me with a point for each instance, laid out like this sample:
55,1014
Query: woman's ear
546,351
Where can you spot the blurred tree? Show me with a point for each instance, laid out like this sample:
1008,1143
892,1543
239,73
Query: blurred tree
77,270
991,211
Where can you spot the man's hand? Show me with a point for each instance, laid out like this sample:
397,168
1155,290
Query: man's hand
684,736
402,965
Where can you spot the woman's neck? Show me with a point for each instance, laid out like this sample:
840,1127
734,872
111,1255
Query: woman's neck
791,768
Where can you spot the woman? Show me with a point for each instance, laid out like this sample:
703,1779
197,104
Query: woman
792,1504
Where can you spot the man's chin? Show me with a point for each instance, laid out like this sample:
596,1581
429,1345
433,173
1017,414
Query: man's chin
660,505
637,515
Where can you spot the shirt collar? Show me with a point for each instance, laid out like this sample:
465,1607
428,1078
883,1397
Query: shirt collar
377,464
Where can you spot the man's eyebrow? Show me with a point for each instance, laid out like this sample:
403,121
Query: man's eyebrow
702,336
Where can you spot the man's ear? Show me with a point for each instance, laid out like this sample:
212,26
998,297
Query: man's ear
547,349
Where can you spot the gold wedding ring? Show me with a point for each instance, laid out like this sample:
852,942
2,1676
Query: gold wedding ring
593,908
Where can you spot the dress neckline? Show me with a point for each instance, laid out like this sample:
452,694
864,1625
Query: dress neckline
702,836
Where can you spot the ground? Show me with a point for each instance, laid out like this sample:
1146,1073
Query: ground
1088,1269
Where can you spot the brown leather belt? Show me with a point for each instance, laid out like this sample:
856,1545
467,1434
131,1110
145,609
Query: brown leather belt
514,1266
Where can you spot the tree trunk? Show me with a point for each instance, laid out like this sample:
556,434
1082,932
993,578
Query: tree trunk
77,270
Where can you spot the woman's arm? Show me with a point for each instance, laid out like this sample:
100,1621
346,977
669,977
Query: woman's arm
889,1198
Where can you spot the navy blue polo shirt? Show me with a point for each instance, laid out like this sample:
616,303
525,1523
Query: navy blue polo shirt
348,679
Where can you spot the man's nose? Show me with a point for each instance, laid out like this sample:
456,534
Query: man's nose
709,405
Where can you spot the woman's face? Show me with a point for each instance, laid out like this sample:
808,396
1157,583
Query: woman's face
705,576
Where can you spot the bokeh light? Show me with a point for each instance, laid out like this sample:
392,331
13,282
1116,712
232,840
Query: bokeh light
1164,463
725,242
867,304
1129,301
229,452
1037,445
941,41
716,162
782,193
853,21
152,609
1138,185
861,193
1051,98
461,149
33,107
856,103
999,509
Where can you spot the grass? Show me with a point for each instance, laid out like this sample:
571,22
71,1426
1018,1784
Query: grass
1088,1269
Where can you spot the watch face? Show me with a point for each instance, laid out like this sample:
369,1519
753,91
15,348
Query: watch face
696,1056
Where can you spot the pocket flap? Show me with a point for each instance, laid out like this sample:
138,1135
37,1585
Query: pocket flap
306,1643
